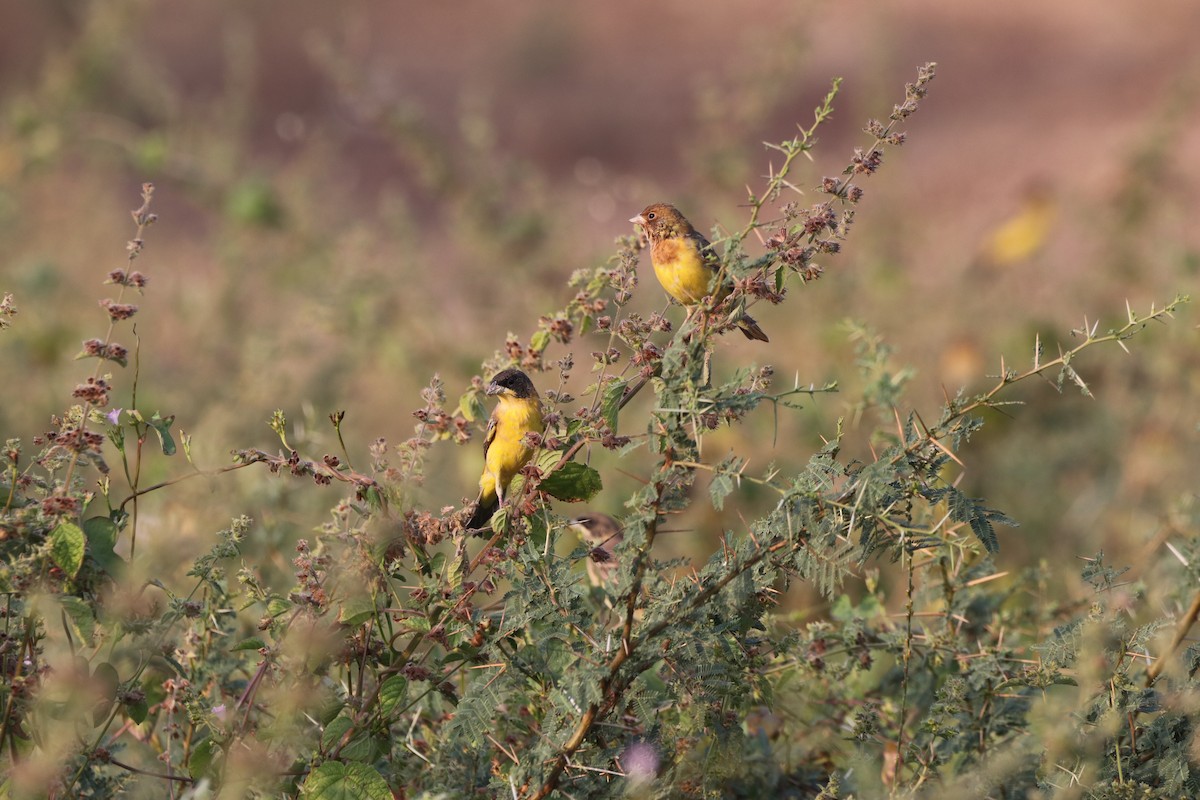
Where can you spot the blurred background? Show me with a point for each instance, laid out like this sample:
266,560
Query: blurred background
354,197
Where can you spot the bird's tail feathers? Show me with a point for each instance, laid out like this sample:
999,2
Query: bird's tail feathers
750,329
482,517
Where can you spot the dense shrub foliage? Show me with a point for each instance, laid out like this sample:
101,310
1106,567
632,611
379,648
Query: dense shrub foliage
411,659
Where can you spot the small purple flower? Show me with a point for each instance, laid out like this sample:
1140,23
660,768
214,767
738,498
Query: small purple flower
114,416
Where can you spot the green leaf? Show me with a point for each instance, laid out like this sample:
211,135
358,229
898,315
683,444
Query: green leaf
81,615
454,574
334,731
356,610
572,482
253,643
611,403
724,480
719,489
67,544
101,535
334,780
138,711
393,692
162,426
201,758
277,606
539,341
471,406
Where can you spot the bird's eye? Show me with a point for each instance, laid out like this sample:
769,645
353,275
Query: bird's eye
651,215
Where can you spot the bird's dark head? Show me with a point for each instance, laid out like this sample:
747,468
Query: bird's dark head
512,383
662,220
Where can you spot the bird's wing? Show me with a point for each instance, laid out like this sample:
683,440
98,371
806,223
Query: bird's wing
707,252
490,436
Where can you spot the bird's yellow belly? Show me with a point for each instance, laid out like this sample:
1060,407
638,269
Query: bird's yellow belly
507,453
683,274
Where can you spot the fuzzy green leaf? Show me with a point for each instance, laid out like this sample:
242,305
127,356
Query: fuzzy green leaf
611,403
67,544
334,780
573,482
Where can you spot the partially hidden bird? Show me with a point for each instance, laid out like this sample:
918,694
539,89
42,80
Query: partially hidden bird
686,264
602,534
505,449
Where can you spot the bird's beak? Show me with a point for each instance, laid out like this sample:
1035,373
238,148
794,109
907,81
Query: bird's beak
493,388
638,220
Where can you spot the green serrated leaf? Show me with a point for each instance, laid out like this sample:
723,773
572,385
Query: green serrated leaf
392,693
454,575
67,545
539,341
573,482
611,403
334,731
334,780
546,460
277,606
162,426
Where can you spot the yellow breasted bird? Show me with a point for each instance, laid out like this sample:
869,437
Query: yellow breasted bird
602,533
1022,235
685,263
518,412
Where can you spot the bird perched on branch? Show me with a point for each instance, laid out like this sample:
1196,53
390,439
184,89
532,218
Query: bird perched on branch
685,263
505,447
602,533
